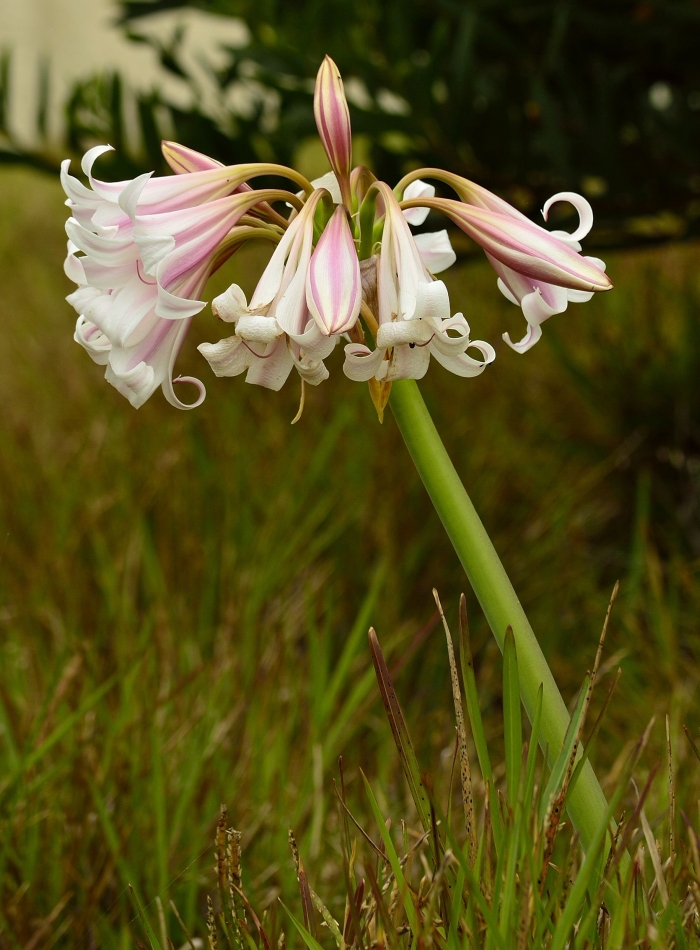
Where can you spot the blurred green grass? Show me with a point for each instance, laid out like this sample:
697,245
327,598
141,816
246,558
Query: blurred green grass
218,570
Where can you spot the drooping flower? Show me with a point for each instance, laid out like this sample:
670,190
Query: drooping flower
276,331
414,320
140,276
533,267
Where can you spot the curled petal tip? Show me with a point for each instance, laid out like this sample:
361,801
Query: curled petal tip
585,213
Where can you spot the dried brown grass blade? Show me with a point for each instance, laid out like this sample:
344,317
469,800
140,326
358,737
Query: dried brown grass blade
399,730
382,909
359,827
671,797
465,773
265,940
307,904
655,858
182,924
690,739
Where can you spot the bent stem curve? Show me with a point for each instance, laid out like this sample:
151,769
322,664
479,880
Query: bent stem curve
499,602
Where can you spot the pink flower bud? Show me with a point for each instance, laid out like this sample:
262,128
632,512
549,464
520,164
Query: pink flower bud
333,122
333,283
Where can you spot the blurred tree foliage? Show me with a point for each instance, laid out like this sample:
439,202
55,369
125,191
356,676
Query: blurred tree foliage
527,97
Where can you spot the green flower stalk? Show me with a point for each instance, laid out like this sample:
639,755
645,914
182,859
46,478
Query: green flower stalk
586,803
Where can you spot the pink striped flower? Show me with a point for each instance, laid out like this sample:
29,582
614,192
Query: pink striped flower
140,276
275,332
541,271
415,322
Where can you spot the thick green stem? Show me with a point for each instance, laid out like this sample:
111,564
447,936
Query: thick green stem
499,602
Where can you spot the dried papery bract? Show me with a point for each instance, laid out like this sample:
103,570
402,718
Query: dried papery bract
333,123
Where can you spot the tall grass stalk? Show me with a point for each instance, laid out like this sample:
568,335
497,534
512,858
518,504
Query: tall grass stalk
495,593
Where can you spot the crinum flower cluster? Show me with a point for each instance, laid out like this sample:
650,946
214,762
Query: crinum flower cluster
345,267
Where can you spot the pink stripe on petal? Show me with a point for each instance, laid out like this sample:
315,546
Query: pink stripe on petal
333,284
333,121
525,247
184,160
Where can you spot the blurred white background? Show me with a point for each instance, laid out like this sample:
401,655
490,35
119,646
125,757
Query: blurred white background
73,40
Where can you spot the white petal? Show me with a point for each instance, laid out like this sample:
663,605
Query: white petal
578,296
408,362
314,343
129,198
82,298
361,363
92,339
171,307
111,250
272,368
228,357
461,364
312,371
76,190
258,329
417,189
596,261
456,341
231,305
109,278
507,293
432,302
109,215
330,183
531,337
536,309
403,332
282,265
153,249
435,250
416,216
126,316
73,268
91,156
137,384
167,387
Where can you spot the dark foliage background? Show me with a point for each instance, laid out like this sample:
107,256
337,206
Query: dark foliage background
528,97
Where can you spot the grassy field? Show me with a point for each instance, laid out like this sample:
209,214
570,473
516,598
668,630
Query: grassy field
185,597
